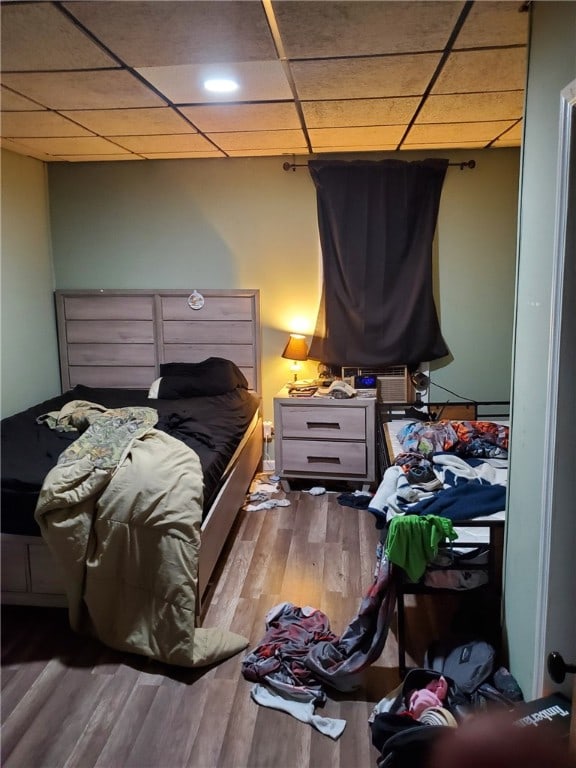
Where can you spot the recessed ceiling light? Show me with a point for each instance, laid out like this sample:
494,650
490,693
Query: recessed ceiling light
220,85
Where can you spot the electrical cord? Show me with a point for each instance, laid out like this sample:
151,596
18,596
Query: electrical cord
466,399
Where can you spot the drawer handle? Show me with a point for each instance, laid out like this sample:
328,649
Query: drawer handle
323,425
323,459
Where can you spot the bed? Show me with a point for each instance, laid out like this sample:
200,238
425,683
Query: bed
114,344
474,560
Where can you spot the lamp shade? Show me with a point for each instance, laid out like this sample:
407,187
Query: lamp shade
296,349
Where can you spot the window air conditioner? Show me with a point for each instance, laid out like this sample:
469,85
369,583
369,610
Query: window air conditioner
394,385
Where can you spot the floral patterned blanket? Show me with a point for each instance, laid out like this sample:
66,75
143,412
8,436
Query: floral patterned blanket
479,439
122,512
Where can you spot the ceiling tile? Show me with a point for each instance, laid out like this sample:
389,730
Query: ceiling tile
470,107
186,142
373,137
39,36
504,142
512,137
494,23
357,112
456,132
21,149
130,122
13,102
83,90
500,69
89,145
91,158
364,77
283,141
355,148
20,124
286,152
446,145
329,29
181,155
243,117
259,81
154,34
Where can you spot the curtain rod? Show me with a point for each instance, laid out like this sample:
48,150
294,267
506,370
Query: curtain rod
292,166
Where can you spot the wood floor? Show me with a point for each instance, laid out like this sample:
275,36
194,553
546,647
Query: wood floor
69,702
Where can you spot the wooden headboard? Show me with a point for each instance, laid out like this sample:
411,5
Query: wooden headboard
118,338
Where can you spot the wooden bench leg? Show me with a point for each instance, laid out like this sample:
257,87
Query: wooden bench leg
401,632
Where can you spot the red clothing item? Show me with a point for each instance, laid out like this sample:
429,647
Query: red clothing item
279,657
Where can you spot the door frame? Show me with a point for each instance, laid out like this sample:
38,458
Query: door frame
555,441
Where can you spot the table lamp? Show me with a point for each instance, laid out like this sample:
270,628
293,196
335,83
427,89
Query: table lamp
296,350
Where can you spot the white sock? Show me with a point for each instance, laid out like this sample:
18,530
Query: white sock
269,504
301,710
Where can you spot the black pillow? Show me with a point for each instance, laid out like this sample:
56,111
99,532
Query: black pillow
213,376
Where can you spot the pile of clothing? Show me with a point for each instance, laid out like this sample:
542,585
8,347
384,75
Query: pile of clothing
406,723
299,654
442,484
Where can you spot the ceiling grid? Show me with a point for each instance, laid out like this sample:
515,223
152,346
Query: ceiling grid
123,80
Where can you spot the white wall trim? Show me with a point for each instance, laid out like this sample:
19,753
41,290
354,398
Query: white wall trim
567,104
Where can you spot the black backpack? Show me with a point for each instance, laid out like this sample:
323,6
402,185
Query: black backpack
410,748
418,678
402,741
470,665
468,668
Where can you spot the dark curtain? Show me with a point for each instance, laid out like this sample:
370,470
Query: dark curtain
376,223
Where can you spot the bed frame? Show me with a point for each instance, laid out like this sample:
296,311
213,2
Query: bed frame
119,338
495,527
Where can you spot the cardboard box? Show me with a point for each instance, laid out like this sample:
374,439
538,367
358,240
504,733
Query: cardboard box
551,713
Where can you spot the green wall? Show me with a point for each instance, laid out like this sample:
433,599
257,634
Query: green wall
30,371
477,246
247,223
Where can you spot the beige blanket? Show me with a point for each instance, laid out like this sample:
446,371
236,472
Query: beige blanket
122,512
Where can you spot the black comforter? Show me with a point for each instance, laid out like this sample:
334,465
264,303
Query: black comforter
212,426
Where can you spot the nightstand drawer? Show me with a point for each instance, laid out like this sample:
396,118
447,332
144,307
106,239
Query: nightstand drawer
317,457
324,423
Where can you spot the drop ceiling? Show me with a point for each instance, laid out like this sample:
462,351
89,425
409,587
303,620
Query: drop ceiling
123,80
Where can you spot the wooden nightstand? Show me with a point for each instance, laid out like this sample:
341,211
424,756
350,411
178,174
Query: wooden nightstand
325,438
